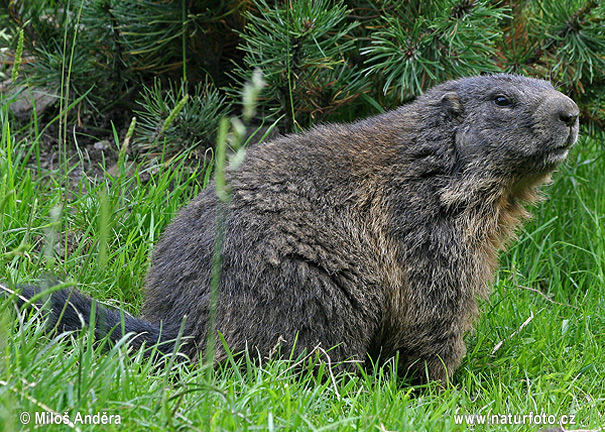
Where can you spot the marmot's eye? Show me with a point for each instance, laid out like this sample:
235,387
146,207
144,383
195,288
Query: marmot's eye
502,101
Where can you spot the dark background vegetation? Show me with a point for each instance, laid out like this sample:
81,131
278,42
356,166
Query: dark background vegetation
322,60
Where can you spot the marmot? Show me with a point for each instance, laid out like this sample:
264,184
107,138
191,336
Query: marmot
369,239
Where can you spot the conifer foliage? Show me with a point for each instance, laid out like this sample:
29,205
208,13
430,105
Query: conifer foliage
322,60
304,48
419,43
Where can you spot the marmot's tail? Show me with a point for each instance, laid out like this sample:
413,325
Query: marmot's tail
70,310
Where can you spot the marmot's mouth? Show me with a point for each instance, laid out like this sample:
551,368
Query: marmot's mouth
556,156
565,146
559,149
571,139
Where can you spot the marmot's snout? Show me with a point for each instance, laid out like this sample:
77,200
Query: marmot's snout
568,116
564,113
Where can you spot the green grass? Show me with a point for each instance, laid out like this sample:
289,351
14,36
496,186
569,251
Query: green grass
98,234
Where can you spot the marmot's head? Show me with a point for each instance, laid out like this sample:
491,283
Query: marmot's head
511,124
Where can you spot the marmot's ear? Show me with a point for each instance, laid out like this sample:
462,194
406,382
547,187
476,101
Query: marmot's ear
451,105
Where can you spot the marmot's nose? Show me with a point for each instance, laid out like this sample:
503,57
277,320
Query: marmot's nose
568,117
566,110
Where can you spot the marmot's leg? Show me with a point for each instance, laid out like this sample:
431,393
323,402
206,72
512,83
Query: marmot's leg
433,361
